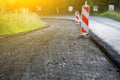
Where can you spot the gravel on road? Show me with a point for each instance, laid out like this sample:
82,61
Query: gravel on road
54,53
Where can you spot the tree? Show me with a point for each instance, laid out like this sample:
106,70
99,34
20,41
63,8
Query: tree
103,4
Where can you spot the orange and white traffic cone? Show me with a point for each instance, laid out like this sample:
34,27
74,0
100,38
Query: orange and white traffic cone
77,17
85,19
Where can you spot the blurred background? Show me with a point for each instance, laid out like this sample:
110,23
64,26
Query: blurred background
23,15
47,7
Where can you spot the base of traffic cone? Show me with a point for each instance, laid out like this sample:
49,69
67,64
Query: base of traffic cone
84,36
77,22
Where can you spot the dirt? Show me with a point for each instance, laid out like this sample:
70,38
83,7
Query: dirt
54,53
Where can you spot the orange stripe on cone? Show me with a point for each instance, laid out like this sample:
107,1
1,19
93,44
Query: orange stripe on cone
86,8
83,30
84,19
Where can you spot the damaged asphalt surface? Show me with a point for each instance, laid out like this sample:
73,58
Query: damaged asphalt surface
54,53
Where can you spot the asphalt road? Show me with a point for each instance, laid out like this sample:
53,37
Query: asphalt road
54,53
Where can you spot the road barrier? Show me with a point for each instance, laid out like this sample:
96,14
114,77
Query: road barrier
77,17
85,19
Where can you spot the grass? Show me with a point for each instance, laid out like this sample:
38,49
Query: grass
110,14
15,22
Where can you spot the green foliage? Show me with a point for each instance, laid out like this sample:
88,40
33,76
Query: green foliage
113,15
48,6
14,22
110,14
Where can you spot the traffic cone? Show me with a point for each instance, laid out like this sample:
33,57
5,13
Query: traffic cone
85,19
77,17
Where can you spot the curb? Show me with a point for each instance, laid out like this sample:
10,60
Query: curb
109,50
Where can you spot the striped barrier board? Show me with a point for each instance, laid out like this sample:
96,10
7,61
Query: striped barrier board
77,17
85,19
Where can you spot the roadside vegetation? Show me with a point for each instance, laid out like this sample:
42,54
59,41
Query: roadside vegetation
18,21
110,14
